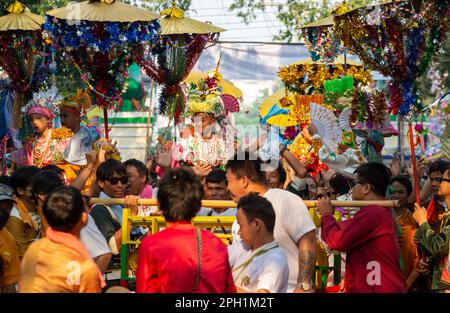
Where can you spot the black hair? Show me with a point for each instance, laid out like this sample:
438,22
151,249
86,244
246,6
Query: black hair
23,177
216,176
249,165
180,194
63,208
53,168
445,169
377,175
45,182
255,206
281,173
341,184
6,180
140,167
437,166
403,180
107,169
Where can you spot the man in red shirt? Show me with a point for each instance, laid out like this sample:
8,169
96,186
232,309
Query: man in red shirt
369,238
181,258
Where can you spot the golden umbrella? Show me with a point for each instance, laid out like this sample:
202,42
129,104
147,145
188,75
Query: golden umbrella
342,9
281,100
174,22
20,18
103,11
329,20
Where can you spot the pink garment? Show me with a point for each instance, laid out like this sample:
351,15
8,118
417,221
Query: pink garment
147,192
41,110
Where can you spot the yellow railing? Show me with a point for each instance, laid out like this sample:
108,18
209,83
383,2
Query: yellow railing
219,225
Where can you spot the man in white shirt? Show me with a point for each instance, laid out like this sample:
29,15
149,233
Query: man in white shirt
294,228
266,270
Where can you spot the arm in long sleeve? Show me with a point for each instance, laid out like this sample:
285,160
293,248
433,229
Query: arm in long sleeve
436,243
350,233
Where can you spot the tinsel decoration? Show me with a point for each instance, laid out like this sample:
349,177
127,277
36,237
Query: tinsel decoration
379,107
172,59
338,93
368,110
322,44
320,39
399,43
170,67
101,51
307,79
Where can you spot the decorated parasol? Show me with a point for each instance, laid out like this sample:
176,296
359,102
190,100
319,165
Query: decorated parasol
398,39
170,61
226,86
102,37
274,109
21,54
200,85
320,39
307,76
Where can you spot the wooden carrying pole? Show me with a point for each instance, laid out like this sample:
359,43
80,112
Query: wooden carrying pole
231,204
414,163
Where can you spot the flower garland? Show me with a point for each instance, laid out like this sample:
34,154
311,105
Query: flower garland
309,78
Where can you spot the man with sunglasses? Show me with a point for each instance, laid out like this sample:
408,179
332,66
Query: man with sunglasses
112,179
369,238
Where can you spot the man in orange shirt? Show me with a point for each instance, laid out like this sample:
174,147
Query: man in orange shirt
60,262
9,253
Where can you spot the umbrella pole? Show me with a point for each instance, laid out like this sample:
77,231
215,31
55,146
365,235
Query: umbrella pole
414,163
345,63
105,118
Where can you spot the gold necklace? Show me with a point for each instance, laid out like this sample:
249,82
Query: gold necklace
38,155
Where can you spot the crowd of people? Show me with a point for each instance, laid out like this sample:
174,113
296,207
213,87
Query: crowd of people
53,240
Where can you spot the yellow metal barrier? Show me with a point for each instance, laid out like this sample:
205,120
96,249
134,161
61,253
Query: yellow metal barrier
221,227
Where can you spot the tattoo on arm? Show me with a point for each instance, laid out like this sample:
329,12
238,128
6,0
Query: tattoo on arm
306,265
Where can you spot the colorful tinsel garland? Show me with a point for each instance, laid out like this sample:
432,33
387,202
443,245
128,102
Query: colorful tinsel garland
309,78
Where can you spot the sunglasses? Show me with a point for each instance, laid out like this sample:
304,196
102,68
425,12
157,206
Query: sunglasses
445,179
116,180
436,179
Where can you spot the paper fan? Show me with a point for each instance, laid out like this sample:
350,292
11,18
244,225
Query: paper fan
326,125
230,103
344,119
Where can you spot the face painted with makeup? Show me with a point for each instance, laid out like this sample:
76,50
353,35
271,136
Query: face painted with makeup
39,122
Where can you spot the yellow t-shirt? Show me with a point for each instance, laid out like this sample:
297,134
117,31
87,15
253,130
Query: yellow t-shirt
54,268
11,262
